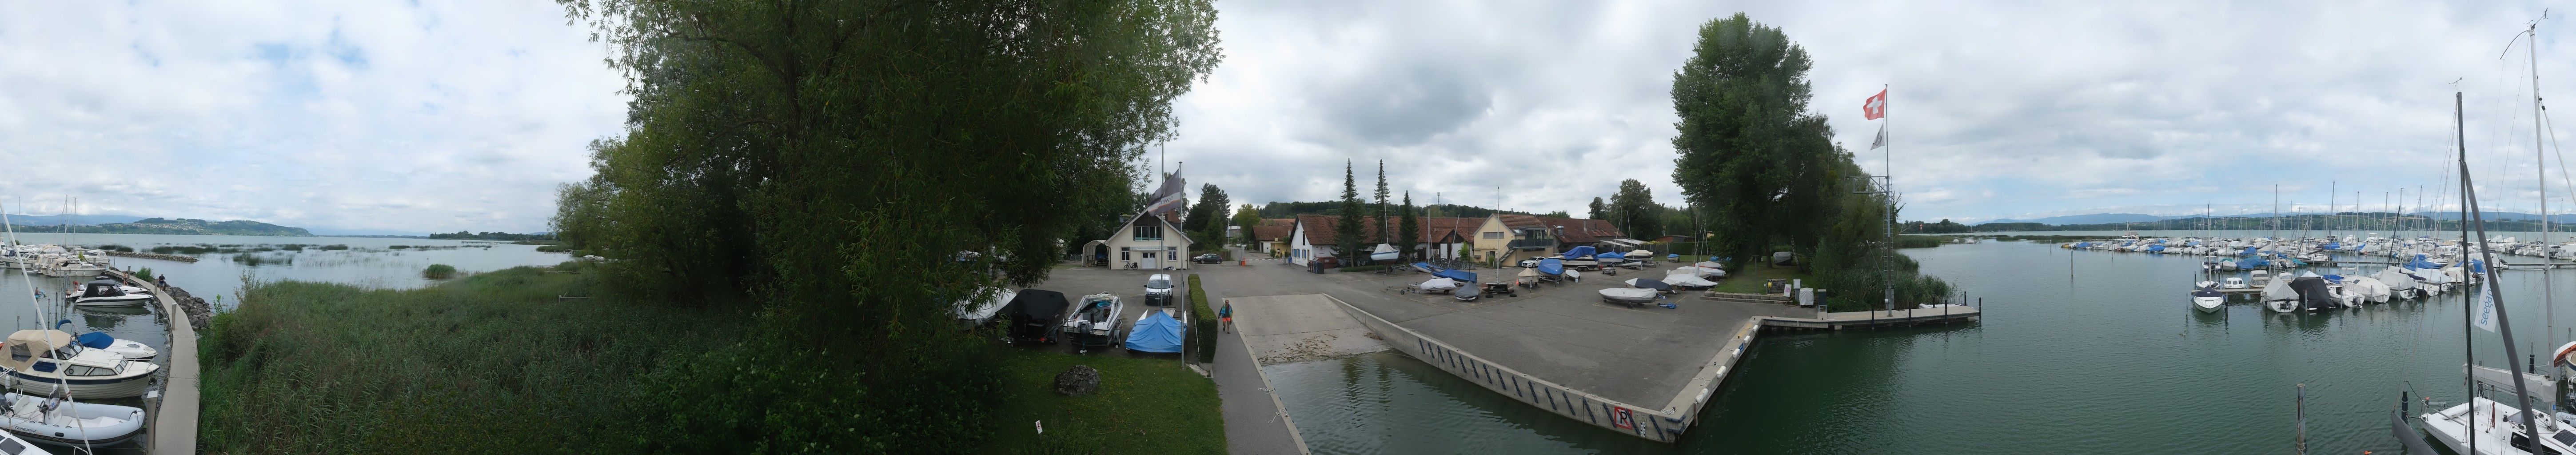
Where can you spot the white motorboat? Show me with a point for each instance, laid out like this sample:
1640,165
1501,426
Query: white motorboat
60,420
39,360
1094,322
2208,300
2233,282
2494,426
66,266
127,349
108,293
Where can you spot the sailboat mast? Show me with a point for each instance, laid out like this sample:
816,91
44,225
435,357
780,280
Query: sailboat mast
2504,320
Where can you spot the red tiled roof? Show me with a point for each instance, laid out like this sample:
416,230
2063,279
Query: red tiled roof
1579,230
1265,233
1277,222
1519,221
1319,228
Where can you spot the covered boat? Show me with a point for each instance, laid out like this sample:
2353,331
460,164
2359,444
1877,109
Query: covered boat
1640,255
1461,275
1426,267
1034,313
977,312
1551,266
1157,332
2313,295
2278,296
1650,283
1632,297
1580,252
1384,252
1436,285
1688,282
1608,258
1702,272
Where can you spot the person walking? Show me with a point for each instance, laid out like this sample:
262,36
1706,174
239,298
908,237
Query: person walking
1225,316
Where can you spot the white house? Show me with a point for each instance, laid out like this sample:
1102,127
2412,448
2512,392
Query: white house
1145,242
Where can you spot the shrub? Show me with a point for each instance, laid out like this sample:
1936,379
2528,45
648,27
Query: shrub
439,271
553,249
182,249
1202,322
144,274
123,248
399,246
335,247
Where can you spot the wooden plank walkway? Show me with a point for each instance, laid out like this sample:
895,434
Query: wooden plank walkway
173,428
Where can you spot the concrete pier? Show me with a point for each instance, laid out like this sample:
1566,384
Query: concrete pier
173,425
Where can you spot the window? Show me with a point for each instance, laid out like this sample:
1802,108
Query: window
1149,233
1496,235
18,353
79,370
1122,254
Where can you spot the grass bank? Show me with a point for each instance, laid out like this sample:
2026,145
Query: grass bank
491,363
495,363
1145,406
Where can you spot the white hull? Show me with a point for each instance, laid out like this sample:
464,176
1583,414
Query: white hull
73,272
121,386
118,301
72,423
2455,426
2209,304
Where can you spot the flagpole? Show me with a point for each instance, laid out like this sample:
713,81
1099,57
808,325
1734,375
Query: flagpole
1887,162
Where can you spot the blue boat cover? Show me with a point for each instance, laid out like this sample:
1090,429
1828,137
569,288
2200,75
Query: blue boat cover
1610,255
1552,266
1577,253
96,340
2083,244
2159,248
1461,275
2332,246
1158,332
2477,266
1427,267
2333,278
1673,256
2420,263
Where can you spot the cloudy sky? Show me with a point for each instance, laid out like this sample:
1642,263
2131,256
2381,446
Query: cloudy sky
1999,110
381,117
333,115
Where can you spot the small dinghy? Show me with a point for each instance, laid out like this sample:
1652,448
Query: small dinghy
1632,297
62,421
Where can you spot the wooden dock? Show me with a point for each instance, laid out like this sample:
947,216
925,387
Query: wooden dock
1881,318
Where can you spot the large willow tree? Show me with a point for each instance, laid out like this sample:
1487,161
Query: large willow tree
828,161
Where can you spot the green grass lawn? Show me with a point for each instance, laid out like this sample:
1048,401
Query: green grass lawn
1145,406
1749,280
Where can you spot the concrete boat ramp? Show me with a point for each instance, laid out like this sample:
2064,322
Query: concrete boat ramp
1644,371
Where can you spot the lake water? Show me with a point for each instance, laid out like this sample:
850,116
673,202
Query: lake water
369,262
2079,352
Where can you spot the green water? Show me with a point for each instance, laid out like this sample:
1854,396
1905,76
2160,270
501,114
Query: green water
2079,352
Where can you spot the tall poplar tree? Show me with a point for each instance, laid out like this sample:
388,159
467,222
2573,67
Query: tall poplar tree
1348,235
1380,234
1408,234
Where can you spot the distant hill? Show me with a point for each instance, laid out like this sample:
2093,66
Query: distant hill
52,220
2503,216
187,226
2097,218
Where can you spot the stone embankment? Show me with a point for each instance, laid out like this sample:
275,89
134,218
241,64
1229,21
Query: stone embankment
165,257
198,313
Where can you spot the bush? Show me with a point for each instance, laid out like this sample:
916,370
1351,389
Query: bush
182,249
123,248
1202,322
144,274
335,247
1920,241
439,271
554,248
399,246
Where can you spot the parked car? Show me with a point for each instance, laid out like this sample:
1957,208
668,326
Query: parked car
1158,289
1527,263
1207,258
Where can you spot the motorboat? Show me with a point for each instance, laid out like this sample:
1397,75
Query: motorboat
2233,282
2278,297
60,420
107,293
977,312
2208,300
1632,297
40,360
66,266
128,349
1094,322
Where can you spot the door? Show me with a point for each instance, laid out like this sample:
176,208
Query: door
1146,260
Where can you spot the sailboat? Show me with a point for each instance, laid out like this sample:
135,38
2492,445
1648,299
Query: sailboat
2479,425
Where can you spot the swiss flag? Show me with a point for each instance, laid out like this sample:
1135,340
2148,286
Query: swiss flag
1875,107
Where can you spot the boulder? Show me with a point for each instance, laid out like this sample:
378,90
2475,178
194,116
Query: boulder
1078,381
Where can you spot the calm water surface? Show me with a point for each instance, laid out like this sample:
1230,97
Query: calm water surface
369,262
2079,352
